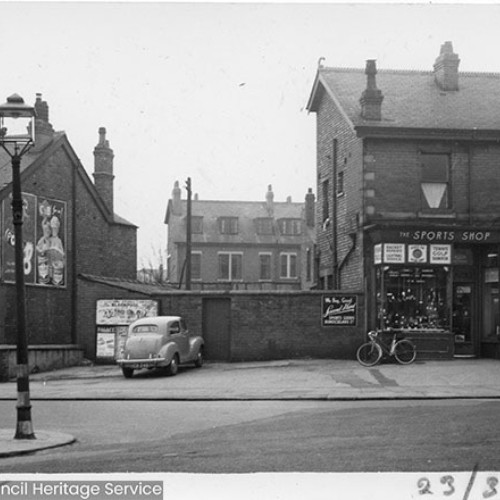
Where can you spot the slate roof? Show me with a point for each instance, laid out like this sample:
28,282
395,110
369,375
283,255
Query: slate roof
413,100
32,156
246,211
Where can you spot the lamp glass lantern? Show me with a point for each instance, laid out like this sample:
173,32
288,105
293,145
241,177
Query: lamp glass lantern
17,122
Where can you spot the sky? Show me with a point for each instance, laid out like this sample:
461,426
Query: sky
213,91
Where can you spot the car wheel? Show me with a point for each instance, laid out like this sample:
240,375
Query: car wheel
173,367
127,372
198,362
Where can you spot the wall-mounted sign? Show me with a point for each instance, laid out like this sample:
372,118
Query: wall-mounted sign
44,234
440,254
417,254
338,310
394,253
399,253
124,312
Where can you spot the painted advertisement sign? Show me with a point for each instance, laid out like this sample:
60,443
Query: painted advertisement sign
338,310
44,248
124,312
112,319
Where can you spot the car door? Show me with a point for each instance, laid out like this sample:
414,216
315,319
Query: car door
179,335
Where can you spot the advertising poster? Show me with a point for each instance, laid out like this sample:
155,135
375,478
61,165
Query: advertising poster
44,234
339,310
9,240
51,243
112,319
123,312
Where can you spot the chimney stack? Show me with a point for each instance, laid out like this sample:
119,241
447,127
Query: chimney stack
270,199
446,68
43,129
309,208
103,170
371,98
176,199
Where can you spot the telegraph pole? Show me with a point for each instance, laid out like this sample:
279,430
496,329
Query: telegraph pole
188,235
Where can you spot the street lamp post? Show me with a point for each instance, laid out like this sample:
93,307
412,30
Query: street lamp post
17,135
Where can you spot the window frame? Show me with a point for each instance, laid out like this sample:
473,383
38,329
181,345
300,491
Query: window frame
290,256
270,256
230,255
430,177
228,225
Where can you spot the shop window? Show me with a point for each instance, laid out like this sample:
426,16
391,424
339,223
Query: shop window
413,297
434,181
491,304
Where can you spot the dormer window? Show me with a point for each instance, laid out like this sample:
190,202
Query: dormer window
290,227
228,225
264,225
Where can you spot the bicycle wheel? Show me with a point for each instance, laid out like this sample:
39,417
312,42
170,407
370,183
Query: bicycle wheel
369,354
405,352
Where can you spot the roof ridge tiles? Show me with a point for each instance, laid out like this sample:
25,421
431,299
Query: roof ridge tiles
341,69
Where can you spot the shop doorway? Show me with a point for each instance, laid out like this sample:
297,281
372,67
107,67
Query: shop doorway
463,325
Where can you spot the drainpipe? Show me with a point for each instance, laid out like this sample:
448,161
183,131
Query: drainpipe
348,254
334,219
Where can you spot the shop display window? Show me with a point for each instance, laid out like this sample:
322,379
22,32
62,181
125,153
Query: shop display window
412,297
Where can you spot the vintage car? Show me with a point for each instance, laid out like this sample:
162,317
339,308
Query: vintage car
160,342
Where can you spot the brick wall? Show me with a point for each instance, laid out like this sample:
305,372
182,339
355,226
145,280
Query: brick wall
331,125
99,250
263,325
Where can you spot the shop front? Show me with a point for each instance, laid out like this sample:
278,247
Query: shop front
439,287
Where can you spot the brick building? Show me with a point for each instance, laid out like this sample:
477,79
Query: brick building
408,210
69,229
255,245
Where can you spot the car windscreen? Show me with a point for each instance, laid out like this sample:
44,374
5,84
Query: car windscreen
144,329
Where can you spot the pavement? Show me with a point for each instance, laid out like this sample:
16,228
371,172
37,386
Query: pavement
308,379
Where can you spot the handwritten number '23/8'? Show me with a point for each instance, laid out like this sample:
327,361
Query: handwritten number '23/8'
424,486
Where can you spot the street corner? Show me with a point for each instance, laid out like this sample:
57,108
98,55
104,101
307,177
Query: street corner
9,446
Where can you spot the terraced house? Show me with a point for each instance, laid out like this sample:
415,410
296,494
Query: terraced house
408,207
242,245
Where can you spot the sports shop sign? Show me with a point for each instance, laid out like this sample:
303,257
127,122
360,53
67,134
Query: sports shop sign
440,236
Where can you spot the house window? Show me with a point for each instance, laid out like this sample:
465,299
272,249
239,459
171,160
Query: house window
325,198
340,182
288,265
196,265
265,266
230,266
197,225
228,225
435,180
264,225
290,227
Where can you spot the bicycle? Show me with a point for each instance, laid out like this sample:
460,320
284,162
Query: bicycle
370,353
